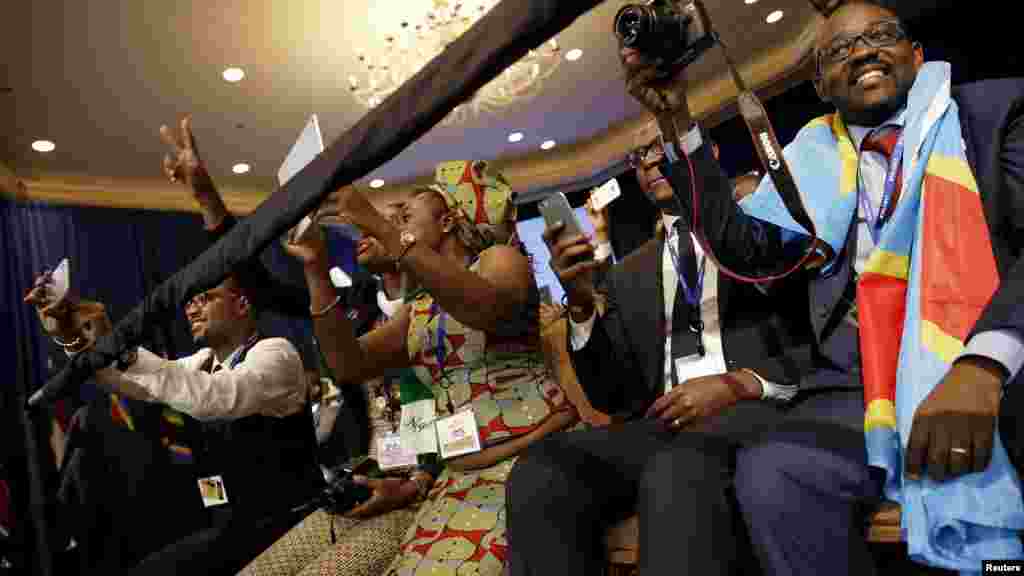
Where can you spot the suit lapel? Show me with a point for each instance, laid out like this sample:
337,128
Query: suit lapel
657,370
638,283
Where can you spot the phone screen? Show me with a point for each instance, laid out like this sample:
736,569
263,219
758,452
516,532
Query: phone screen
545,294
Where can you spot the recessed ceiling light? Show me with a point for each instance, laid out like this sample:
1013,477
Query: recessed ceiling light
774,17
547,145
376,183
233,74
240,168
515,137
573,55
43,146
750,1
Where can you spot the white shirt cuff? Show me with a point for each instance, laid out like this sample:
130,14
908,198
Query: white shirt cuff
1003,346
579,334
773,391
602,251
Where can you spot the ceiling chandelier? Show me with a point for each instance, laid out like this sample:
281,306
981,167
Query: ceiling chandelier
407,51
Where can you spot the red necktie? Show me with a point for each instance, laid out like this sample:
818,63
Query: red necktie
884,141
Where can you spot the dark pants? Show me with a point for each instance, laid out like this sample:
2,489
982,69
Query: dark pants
1011,425
225,548
566,490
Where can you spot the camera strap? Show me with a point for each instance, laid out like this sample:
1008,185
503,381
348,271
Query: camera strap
769,152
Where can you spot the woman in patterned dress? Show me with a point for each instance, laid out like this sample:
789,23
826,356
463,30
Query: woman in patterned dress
471,337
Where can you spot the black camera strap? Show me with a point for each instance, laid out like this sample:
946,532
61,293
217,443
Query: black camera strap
770,154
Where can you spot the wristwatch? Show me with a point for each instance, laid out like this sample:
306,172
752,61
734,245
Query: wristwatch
406,240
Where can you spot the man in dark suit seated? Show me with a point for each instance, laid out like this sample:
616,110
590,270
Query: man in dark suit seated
914,298
679,348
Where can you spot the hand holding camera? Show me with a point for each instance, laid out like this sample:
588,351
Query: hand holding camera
658,40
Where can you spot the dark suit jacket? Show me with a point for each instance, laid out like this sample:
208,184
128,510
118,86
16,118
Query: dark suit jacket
993,128
622,366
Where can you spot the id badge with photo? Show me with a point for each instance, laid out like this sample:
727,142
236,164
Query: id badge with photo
212,490
392,453
458,434
417,428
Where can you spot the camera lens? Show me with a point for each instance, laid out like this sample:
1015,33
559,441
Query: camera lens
630,23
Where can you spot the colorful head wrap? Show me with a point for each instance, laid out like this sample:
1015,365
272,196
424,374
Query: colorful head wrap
482,201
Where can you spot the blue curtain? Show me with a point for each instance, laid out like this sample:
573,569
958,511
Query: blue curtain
117,257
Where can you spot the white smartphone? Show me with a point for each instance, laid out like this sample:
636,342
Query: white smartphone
605,194
306,148
339,278
61,277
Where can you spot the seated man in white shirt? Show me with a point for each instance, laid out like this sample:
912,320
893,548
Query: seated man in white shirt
253,444
678,347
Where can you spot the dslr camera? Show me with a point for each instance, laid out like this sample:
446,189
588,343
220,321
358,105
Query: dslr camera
671,33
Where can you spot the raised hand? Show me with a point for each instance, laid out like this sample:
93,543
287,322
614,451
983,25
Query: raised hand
75,324
310,248
184,164
660,95
572,260
350,206
599,218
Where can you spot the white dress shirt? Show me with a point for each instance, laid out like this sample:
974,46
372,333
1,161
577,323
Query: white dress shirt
1004,346
270,382
713,361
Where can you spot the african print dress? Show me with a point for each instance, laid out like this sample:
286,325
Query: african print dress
460,530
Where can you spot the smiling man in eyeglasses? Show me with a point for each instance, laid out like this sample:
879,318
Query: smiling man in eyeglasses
916,188
252,445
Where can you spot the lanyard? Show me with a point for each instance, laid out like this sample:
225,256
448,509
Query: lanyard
238,356
692,295
876,220
440,351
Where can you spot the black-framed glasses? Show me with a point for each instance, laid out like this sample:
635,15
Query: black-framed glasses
878,35
202,299
645,156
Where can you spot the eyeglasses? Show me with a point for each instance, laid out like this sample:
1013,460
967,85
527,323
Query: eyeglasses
878,35
202,299
645,156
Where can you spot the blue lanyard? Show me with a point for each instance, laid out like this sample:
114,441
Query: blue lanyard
692,295
440,349
239,357
876,220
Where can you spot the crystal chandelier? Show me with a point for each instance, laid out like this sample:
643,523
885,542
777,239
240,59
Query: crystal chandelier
406,52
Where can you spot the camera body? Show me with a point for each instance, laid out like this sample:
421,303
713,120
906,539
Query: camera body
672,33
341,493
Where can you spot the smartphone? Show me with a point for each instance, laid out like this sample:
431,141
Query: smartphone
603,195
545,294
61,277
555,208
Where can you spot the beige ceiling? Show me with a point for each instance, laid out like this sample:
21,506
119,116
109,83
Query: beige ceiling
98,77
